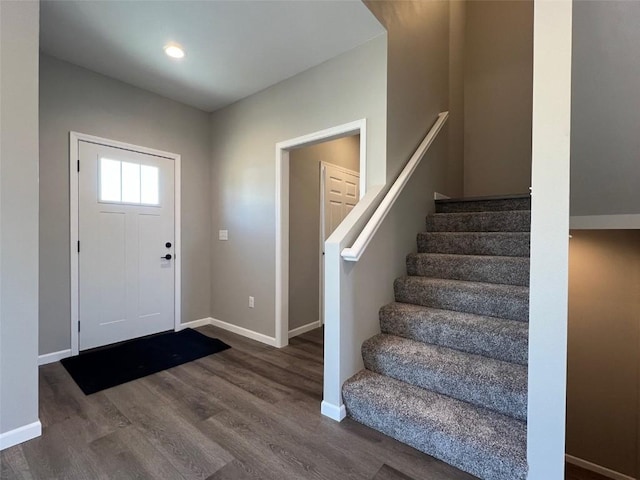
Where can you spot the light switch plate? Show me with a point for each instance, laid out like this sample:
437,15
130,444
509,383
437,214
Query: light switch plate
223,234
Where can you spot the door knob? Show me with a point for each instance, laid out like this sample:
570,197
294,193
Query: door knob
167,256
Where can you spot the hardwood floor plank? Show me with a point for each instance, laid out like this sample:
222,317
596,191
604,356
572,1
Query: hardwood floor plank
269,436
194,404
573,472
191,453
258,367
13,465
237,470
230,369
62,453
126,454
388,473
61,399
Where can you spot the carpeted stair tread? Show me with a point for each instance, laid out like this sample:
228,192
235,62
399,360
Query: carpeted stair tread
476,440
484,204
473,268
502,301
497,338
507,221
485,382
509,244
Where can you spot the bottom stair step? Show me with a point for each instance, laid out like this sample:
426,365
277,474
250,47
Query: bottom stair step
478,441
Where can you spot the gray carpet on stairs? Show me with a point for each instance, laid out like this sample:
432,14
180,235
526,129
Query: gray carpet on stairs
508,244
448,373
498,338
486,382
457,205
515,221
484,443
471,268
494,300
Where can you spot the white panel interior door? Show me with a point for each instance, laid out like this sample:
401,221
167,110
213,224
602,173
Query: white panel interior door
126,220
340,195
339,192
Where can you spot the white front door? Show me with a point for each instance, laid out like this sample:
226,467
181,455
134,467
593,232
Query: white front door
126,244
339,192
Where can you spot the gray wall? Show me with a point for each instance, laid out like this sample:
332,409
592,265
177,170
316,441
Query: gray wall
605,117
73,98
304,222
455,167
346,88
418,74
603,402
498,93
18,214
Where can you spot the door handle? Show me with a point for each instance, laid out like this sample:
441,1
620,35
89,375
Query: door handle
166,257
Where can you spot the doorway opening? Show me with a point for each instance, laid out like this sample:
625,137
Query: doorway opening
324,185
303,221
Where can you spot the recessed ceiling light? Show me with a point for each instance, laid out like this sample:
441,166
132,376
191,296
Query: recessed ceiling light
174,50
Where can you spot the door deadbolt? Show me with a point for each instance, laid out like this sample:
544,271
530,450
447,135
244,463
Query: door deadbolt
168,244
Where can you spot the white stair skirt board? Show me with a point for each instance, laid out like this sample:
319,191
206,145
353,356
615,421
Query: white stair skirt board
334,412
194,324
607,472
604,222
440,196
304,328
245,332
20,434
53,357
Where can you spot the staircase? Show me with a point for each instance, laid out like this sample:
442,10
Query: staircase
448,373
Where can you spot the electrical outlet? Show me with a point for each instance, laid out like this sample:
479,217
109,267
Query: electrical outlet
223,234
251,302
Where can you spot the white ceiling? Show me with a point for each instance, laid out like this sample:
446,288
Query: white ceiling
234,48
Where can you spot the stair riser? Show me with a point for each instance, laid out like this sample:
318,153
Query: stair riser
483,205
493,338
496,244
518,221
502,390
399,417
480,299
503,270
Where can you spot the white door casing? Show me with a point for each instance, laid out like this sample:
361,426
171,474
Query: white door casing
122,288
339,193
282,210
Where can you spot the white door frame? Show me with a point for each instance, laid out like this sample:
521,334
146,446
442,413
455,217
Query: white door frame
74,139
282,209
323,180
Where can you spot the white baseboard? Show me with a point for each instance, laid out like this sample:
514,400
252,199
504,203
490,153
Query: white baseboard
440,196
604,222
304,328
53,356
334,412
195,323
20,434
597,468
245,332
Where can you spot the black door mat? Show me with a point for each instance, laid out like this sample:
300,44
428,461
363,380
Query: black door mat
107,367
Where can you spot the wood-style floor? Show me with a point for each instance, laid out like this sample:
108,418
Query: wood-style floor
576,473
251,412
